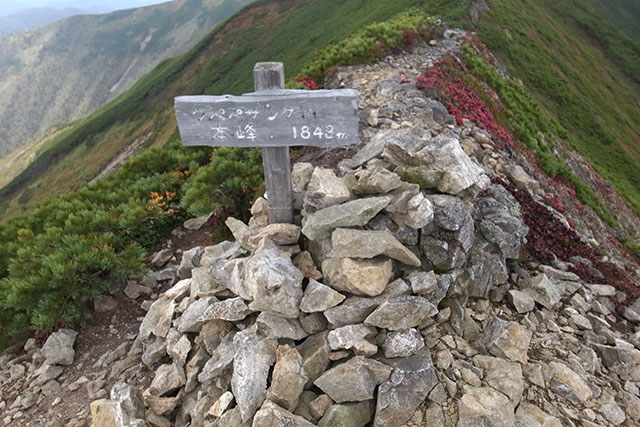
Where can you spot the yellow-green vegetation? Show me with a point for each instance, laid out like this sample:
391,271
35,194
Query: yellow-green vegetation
68,249
533,127
583,72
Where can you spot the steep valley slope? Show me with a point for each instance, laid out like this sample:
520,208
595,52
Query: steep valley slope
66,70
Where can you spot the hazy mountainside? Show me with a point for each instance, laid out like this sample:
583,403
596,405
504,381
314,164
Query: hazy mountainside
68,69
39,17
624,14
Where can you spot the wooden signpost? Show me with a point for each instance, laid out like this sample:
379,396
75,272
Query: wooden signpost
273,118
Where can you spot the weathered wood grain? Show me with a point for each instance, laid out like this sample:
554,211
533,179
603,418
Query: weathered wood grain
275,160
270,119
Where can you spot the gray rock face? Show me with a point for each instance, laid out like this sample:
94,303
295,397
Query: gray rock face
58,349
128,406
315,355
502,375
253,358
521,301
443,254
543,291
502,223
280,234
300,176
417,214
359,277
289,378
432,286
232,309
376,180
569,384
220,360
369,244
412,380
401,312
485,407
354,380
280,327
348,415
405,235
319,298
355,213
623,361
352,310
529,415
272,415
358,338
192,318
190,260
403,343
450,213
485,269
325,189
440,163
158,319
273,282
508,340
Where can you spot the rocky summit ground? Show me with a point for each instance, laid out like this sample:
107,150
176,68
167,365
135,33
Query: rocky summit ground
389,304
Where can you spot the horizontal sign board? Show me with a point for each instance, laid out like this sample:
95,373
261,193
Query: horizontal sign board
274,118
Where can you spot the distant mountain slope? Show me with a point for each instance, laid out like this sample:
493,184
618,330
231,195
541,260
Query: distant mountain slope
623,14
39,17
66,70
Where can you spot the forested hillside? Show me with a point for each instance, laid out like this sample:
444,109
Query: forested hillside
66,70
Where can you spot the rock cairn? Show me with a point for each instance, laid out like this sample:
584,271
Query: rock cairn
394,302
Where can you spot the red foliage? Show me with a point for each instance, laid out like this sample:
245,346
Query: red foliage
408,38
307,82
463,101
549,239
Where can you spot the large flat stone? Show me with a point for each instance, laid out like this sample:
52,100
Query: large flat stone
401,312
508,340
319,298
485,406
273,282
369,244
352,310
355,213
354,380
412,380
252,361
358,338
359,277
288,378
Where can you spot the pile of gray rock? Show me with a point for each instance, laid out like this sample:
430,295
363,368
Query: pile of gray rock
34,375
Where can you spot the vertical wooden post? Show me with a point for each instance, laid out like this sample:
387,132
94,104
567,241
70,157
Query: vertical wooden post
276,162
